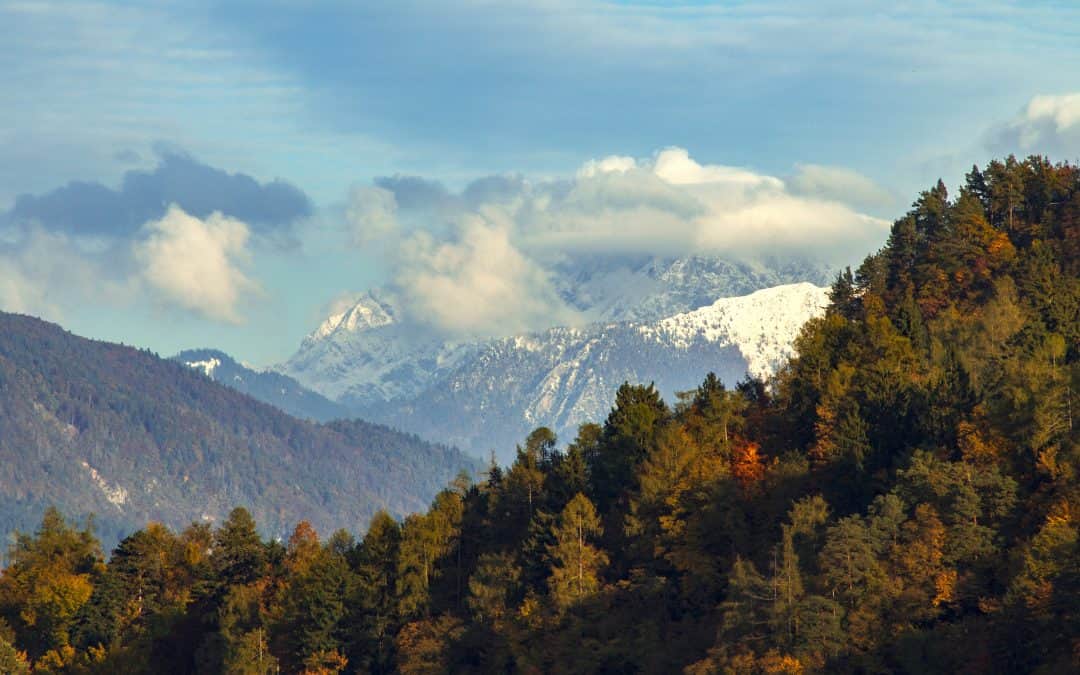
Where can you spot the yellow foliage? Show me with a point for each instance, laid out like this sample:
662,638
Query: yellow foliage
325,663
945,587
774,663
976,446
55,660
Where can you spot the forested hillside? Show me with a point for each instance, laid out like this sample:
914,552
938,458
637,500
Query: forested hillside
901,497
268,386
100,428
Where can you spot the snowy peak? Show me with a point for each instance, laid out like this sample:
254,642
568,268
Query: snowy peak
367,313
763,324
562,377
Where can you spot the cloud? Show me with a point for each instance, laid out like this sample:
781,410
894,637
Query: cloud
1049,125
414,192
479,283
673,205
371,214
196,264
610,164
47,274
485,272
92,209
838,184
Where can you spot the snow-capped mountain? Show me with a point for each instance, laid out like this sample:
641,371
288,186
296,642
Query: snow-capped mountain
370,354
654,288
564,377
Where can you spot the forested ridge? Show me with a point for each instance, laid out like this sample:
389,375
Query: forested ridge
901,497
101,428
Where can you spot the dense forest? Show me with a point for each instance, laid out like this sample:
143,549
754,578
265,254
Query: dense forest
901,497
100,428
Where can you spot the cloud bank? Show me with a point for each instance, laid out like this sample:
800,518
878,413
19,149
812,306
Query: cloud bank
475,261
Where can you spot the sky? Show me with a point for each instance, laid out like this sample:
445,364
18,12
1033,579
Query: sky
177,175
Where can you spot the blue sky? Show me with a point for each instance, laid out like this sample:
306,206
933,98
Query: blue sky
851,106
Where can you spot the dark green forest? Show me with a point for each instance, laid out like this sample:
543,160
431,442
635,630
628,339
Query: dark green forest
93,427
901,497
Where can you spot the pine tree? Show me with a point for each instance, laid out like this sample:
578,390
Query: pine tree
575,573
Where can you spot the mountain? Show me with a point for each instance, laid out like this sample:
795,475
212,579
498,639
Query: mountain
368,354
100,428
371,354
268,386
564,377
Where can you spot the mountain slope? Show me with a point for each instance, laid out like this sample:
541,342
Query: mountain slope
370,354
105,429
267,386
564,377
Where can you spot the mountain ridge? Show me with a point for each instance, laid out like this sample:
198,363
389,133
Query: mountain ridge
134,437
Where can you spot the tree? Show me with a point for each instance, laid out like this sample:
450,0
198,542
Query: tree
49,580
577,563
374,611
239,556
629,432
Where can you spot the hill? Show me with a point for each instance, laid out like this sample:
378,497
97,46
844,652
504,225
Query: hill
106,429
268,386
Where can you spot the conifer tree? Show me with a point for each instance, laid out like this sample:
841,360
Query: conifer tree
575,573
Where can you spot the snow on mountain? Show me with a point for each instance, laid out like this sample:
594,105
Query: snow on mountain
207,366
763,324
564,377
369,355
366,355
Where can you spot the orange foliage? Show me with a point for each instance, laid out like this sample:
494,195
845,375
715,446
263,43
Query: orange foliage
747,464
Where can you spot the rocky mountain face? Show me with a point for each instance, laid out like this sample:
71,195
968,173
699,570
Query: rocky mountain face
648,319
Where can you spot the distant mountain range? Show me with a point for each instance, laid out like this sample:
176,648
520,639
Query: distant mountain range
655,319
564,377
93,427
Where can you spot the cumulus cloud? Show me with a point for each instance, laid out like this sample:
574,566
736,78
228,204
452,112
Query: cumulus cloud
371,214
197,263
1049,124
479,283
610,164
92,209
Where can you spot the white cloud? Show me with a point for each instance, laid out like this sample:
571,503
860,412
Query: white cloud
487,276
674,205
196,264
839,184
371,214
1049,124
1063,111
611,164
479,283
674,166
